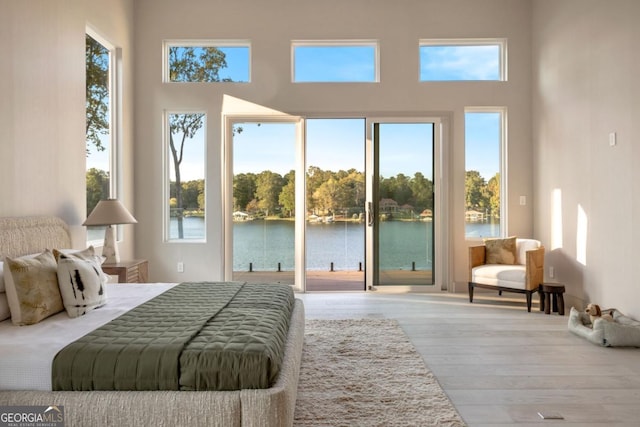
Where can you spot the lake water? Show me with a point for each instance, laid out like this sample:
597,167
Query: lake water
264,244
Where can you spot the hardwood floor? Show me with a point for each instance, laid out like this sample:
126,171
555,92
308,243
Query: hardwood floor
501,365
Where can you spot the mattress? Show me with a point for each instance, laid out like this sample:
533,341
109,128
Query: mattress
196,336
26,352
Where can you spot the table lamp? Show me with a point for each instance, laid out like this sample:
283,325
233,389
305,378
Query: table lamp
110,212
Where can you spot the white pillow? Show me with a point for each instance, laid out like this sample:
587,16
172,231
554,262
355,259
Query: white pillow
82,283
524,245
32,288
4,307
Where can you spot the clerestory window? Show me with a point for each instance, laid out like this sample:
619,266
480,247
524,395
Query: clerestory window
335,61
463,60
189,61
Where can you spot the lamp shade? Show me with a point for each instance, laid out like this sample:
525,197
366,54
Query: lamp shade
108,212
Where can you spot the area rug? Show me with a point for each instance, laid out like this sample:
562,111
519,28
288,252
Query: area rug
366,372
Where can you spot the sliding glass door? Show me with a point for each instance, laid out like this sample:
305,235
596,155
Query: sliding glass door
338,204
335,246
263,235
401,216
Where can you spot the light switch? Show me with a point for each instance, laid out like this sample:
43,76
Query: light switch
612,139
523,200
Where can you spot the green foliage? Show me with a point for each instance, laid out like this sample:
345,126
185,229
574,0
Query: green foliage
328,192
244,189
287,197
482,196
268,188
97,92
196,64
97,187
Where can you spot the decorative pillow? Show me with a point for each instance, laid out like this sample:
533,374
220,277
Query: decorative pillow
87,253
500,251
4,307
81,284
32,288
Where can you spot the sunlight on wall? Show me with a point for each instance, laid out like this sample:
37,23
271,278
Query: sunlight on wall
581,236
556,219
233,105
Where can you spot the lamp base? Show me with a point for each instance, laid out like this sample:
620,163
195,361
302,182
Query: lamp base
110,246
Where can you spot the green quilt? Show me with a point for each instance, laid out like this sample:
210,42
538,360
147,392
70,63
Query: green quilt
195,336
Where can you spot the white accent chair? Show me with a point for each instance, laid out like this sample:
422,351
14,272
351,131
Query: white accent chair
524,277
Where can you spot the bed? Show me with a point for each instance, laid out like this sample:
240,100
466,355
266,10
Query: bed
24,383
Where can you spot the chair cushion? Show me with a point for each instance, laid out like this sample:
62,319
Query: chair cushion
500,251
507,276
524,245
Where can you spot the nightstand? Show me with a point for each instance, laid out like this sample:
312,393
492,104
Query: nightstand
136,271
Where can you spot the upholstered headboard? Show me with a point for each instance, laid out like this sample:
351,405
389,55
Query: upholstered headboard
29,235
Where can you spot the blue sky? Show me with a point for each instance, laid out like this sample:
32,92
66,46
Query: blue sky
333,144
339,143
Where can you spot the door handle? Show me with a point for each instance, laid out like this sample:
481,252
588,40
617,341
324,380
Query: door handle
370,214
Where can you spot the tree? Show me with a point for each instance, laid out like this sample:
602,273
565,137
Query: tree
191,192
287,198
97,92
189,64
326,196
351,189
196,64
268,188
475,191
244,188
493,189
422,191
97,187
315,178
182,127
396,188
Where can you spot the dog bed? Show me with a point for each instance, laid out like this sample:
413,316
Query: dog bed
622,332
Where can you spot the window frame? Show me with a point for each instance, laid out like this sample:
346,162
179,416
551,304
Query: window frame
217,43
500,42
166,176
337,43
502,165
115,123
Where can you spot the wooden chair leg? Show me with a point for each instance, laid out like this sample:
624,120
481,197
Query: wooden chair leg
560,305
470,292
528,294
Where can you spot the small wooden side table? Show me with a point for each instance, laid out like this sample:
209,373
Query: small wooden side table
134,271
549,291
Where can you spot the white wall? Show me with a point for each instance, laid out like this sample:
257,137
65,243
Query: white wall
42,105
271,25
42,109
585,86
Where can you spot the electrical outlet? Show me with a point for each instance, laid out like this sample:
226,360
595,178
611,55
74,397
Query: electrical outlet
180,267
523,200
551,272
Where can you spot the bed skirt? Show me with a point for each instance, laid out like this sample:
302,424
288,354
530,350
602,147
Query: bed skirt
259,407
